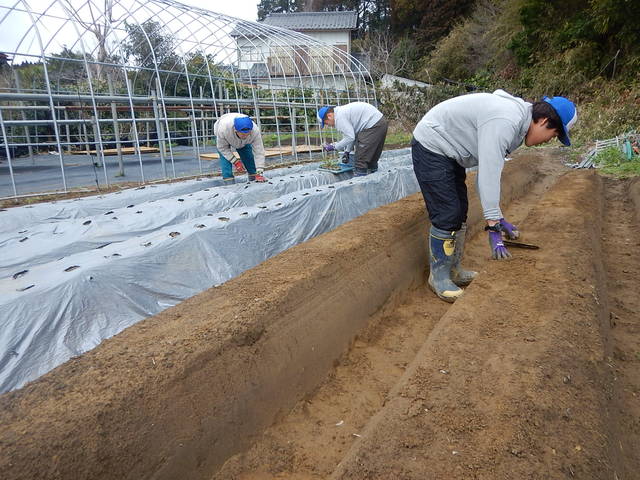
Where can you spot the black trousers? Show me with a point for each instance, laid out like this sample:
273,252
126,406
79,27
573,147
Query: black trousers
442,181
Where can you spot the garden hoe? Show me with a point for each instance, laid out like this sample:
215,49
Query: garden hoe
511,243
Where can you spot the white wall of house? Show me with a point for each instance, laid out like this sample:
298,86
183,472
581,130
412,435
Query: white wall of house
252,50
320,59
334,84
332,37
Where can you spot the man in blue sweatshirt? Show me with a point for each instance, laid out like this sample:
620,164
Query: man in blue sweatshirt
362,125
475,130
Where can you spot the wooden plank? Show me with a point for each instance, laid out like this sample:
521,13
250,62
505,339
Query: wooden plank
114,151
309,148
271,151
215,156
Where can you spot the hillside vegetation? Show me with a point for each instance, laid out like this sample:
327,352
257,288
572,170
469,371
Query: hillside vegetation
584,49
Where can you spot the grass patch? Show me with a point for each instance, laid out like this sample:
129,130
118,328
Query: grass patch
398,138
394,138
612,161
271,139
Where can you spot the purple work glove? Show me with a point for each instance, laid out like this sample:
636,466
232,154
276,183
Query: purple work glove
329,147
498,250
510,229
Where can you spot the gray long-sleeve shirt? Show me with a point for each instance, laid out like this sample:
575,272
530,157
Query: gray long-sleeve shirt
479,129
226,139
351,119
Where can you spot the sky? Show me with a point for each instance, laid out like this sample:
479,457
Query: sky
14,28
245,9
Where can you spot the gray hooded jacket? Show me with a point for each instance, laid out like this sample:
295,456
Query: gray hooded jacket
479,129
351,119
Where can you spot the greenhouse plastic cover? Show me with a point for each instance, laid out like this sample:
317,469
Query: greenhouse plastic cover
74,273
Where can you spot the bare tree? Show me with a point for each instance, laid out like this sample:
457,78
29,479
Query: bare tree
386,54
100,25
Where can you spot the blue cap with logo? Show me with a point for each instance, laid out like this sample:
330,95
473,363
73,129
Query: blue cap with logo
243,124
568,114
323,113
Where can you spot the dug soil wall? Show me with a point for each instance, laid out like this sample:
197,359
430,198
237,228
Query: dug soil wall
178,394
514,381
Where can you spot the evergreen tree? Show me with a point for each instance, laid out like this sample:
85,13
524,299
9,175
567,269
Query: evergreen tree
373,15
427,20
265,7
150,45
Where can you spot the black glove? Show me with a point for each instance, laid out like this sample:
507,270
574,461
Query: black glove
345,157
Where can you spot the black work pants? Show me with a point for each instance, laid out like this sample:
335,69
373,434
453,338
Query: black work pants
442,181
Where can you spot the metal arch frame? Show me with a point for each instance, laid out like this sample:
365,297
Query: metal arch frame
93,101
204,33
114,27
51,105
293,63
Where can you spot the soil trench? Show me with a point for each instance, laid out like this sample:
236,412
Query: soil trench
532,437
313,438
512,381
621,243
554,394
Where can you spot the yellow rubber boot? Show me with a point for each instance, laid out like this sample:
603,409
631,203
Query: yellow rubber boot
459,275
441,249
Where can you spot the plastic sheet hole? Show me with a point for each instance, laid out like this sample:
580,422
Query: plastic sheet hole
19,274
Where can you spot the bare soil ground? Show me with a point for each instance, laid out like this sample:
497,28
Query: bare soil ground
523,378
533,374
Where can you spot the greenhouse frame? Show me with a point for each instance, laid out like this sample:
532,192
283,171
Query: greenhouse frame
133,83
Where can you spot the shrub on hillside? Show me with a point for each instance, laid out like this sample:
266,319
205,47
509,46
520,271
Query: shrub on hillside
407,105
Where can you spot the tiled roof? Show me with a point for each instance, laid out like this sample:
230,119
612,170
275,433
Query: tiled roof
314,20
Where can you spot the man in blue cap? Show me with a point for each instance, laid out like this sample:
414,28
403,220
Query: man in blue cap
476,130
362,125
236,131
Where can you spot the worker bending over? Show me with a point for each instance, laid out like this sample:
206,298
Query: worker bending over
362,125
236,131
475,130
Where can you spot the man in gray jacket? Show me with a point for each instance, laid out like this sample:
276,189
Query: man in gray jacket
361,124
475,130
236,131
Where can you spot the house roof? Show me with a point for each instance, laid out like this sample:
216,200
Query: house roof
301,21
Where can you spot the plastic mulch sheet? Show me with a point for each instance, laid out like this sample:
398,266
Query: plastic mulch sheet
74,273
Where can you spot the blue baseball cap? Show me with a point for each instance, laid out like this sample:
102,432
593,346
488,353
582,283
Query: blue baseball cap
568,114
243,124
323,113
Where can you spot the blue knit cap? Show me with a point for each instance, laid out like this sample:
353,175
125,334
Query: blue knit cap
243,124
